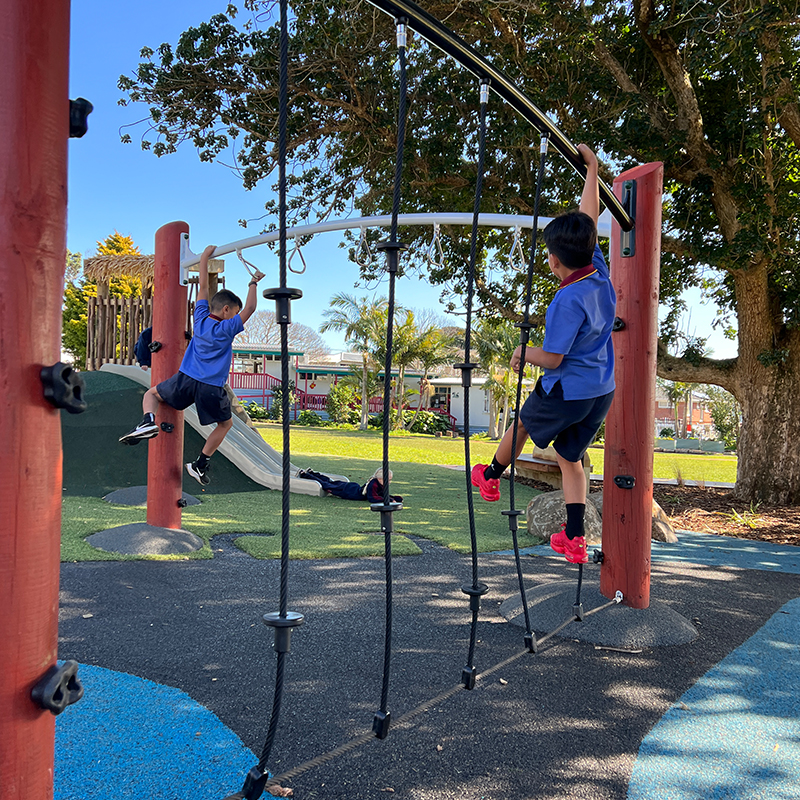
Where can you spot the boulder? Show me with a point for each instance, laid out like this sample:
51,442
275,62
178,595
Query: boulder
662,528
547,512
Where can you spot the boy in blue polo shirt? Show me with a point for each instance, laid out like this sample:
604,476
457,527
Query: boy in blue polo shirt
204,369
572,398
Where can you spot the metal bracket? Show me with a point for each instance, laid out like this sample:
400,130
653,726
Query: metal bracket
625,481
627,239
63,387
59,687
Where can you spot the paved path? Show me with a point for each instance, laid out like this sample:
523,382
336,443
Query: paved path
181,683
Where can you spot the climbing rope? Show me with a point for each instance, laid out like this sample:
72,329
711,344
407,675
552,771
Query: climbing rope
392,247
283,621
524,335
474,590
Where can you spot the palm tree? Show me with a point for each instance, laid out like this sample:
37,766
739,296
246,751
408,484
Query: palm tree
359,319
495,341
436,348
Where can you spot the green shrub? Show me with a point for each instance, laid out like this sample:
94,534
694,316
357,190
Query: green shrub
427,421
309,418
666,433
255,411
340,405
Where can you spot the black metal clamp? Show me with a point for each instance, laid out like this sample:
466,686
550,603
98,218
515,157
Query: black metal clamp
59,687
63,387
283,628
79,111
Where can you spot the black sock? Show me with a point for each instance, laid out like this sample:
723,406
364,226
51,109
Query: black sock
494,470
202,460
575,513
149,417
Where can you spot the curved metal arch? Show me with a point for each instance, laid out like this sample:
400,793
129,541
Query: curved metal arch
442,37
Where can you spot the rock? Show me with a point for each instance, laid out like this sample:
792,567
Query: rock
662,528
547,512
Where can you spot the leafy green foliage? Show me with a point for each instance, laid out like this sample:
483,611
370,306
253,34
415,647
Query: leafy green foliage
310,418
340,404
726,415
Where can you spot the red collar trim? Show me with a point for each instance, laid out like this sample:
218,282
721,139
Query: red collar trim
578,275
218,319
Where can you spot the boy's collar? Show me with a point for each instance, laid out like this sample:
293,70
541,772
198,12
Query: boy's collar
218,319
578,275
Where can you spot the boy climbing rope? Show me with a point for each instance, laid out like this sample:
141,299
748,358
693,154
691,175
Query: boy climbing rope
573,396
204,369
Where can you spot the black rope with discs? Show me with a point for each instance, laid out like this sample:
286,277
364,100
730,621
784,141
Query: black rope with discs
392,247
524,337
474,590
282,621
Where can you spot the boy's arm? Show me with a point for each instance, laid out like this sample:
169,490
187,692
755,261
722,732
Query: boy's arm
252,299
537,357
590,199
202,283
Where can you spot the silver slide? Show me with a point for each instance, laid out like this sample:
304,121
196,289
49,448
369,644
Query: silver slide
243,446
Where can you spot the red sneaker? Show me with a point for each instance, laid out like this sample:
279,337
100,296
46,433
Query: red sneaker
574,550
488,487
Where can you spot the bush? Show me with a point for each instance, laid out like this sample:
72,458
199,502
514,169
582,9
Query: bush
339,406
255,411
309,418
666,433
427,422
277,401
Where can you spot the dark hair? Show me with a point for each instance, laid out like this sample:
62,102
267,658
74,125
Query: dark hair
571,238
225,297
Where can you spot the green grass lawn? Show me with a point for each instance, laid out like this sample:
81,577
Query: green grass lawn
423,449
321,527
328,527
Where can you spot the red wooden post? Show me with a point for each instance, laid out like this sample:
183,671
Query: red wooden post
627,512
165,456
34,57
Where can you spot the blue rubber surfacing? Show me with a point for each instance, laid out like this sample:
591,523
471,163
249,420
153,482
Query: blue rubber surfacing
735,734
132,738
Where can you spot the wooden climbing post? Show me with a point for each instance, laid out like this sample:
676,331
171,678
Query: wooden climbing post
165,456
628,463
34,58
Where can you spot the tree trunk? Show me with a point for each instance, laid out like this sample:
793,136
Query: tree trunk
401,396
765,380
364,397
494,416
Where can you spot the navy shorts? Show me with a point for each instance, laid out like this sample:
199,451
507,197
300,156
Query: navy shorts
570,424
212,402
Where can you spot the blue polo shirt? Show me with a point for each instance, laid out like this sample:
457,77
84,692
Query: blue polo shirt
208,356
578,325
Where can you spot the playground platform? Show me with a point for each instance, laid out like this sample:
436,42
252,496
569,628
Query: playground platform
179,672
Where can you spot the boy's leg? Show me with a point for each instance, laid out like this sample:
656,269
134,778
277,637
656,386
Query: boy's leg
147,428
487,478
199,467
570,540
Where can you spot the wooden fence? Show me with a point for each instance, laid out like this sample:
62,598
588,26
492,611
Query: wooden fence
114,325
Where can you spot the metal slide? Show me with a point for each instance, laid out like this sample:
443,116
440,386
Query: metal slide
243,446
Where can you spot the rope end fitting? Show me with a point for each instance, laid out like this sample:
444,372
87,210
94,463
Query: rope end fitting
282,296
577,610
283,628
485,83
530,643
468,677
402,32
380,724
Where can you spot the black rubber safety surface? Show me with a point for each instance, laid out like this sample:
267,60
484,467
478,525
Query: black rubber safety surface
564,722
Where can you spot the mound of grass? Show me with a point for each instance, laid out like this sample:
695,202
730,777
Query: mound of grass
434,508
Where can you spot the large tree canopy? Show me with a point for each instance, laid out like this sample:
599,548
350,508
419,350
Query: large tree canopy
708,88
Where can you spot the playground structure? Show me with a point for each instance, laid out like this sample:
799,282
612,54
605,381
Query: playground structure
32,224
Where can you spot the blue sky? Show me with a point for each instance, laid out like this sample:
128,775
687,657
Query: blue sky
120,187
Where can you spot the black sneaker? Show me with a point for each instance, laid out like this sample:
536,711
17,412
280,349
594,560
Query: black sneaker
200,475
144,430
